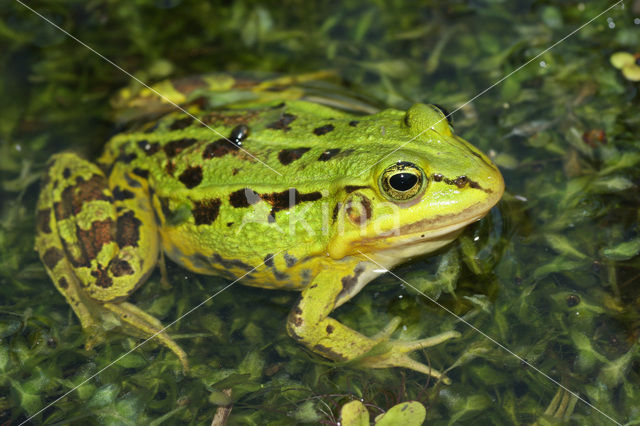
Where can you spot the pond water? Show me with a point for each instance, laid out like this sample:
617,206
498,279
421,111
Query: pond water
545,290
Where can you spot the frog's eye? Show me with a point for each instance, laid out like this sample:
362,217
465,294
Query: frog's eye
445,112
402,181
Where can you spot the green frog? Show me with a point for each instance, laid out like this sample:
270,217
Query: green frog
260,180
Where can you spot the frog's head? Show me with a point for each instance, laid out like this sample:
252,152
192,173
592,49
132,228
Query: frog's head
419,197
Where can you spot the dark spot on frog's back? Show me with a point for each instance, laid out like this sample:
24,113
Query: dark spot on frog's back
66,173
191,177
51,257
289,198
148,148
175,147
144,174
218,148
128,230
205,212
76,196
323,130
127,157
181,123
288,156
353,123
43,221
283,122
243,198
328,154
120,194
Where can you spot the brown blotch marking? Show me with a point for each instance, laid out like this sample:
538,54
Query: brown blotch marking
126,158
355,215
234,171
120,194
230,263
350,188
191,177
63,283
328,154
144,174
329,353
66,173
120,267
283,122
243,198
353,123
74,197
102,278
148,148
295,318
229,224
323,130
280,200
205,212
175,147
289,260
268,260
51,257
350,281
329,329
43,218
92,240
218,148
437,177
128,230
181,123
288,156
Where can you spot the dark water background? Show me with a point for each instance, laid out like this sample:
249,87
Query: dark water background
552,273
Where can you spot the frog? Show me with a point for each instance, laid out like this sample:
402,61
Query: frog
266,183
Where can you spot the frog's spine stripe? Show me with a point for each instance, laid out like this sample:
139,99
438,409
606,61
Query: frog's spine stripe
288,156
283,122
323,130
191,176
328,154
205,212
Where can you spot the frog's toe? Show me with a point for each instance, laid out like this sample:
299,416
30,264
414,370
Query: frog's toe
397,353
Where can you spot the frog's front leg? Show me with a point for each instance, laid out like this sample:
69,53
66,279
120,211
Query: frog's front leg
98,240
309,323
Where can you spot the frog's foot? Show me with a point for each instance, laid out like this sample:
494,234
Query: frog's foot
394,353
148,327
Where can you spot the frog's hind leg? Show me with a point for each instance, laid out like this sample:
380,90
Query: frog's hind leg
99,242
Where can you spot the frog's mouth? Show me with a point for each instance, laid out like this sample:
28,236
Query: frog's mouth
418,238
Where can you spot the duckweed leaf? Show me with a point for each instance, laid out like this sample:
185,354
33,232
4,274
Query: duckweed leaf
354,413
410,413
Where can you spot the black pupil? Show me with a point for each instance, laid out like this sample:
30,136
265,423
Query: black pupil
403,181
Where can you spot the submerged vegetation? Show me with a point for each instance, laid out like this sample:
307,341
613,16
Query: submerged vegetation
552,273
